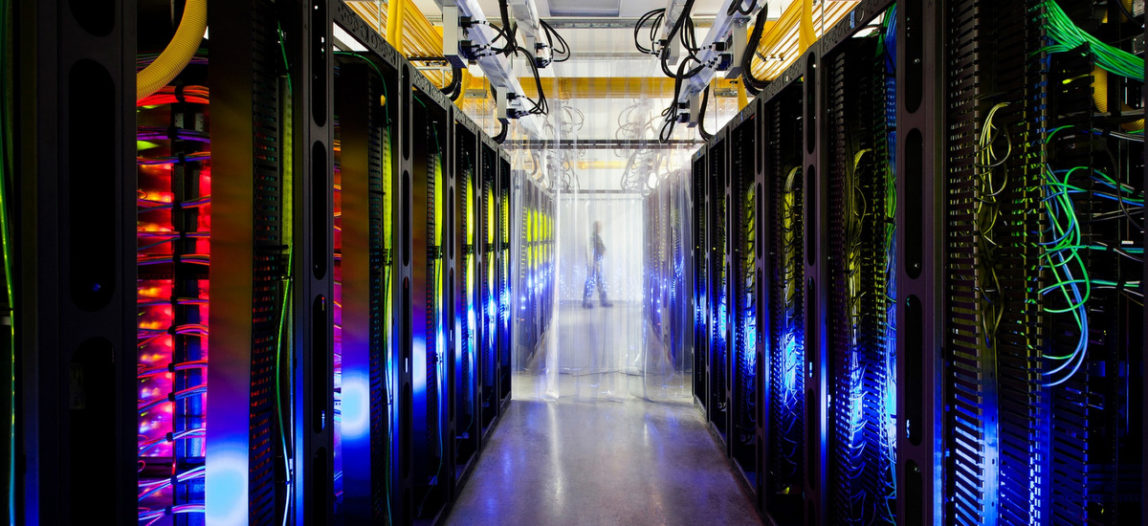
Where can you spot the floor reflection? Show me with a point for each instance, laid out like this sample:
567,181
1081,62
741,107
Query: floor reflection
577,461
605,353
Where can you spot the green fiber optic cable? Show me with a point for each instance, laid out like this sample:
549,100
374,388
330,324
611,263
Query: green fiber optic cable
438,289
285,161
387,287
283,49
1069,36
6,241
379,72
286,284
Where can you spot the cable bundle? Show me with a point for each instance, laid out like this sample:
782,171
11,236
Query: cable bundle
1068,36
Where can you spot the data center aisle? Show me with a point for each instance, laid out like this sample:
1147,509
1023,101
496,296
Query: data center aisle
621,461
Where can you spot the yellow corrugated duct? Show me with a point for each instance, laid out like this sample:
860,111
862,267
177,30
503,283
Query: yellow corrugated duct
412,35
1100,98
806,36
795,30
178,52
395,23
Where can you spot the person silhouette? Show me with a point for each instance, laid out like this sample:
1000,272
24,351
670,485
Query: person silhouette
594,270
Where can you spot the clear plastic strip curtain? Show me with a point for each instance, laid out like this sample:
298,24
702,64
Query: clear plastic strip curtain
620,302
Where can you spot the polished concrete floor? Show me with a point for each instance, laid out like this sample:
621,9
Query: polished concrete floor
624,460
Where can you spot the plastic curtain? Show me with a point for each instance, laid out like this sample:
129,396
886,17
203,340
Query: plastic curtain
602,316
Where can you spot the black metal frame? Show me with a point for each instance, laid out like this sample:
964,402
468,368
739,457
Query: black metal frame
74,199
920,253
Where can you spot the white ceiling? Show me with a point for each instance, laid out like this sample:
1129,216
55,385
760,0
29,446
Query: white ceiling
625,8
604,52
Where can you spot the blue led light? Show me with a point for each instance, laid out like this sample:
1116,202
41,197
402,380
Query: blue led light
356,406
791,356
750,343
721,320
226,483
419,374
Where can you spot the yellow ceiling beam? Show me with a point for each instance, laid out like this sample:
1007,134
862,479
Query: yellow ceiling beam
600,87
612,87
593,88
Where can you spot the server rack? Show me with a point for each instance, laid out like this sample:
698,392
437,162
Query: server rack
699,281
296,268
505,331
786,422
533,299
427,192
488,317
1040,382
744,296
717,245
428,230
665,273
860,419
366,184
272,253
945,183
466,412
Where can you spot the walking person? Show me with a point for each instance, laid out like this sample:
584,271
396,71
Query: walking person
594,270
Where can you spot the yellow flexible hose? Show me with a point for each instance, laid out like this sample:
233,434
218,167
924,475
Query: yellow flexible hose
178,52
1100,98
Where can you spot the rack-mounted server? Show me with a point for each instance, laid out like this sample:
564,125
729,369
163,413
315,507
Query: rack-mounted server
666,225
534,300
783,310
259,355
951,300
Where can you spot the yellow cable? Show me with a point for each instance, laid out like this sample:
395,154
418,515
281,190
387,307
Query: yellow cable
178,52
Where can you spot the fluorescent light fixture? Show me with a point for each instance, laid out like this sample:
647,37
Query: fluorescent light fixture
345,41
